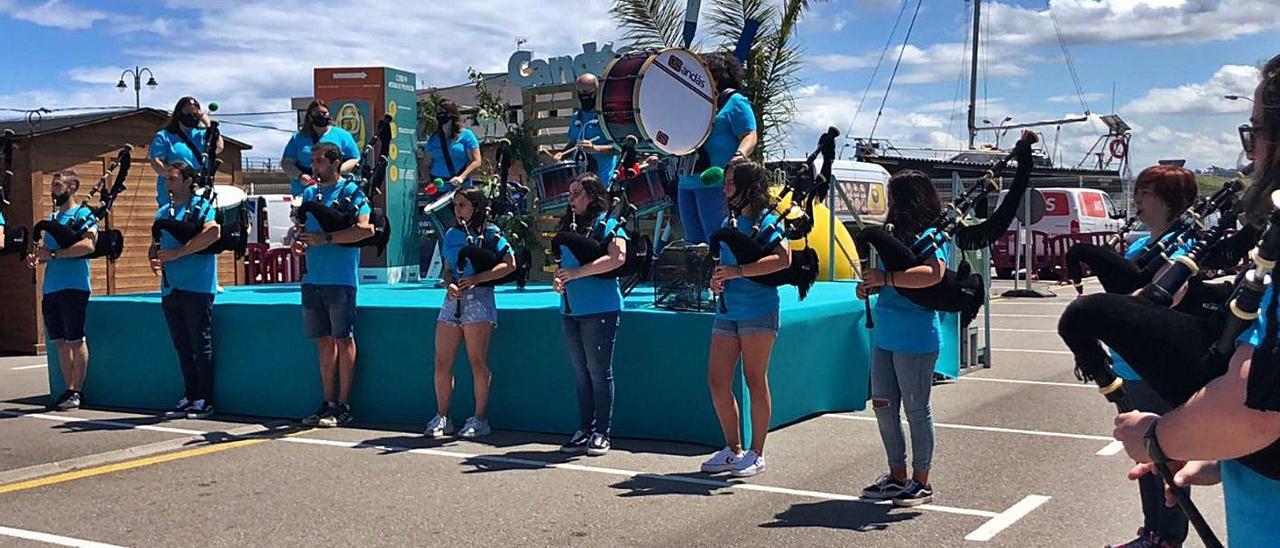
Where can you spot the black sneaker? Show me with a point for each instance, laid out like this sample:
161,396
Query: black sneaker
325,411
598,445
577,444
341,415
1146,539
884,488
914,494
199,409
179,410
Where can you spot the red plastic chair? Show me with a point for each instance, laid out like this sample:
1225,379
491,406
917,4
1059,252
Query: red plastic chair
281,266
253,263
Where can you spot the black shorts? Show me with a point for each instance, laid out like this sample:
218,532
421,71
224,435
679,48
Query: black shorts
64,313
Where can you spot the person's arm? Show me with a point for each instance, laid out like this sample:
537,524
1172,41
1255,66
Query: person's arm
1,236
473,163
289,159
925,275
81,248
747,143
1215,424
780,259
354,233
158,145
207,236
497,272
351,151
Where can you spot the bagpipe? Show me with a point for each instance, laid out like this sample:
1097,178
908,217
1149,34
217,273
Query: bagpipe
1178,354
805,187
17,238
1120,275
233,232
110,242
343,213
482,250
594,243
960,290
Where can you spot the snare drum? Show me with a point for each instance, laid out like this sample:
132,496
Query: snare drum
648,190
553,185
665,99
439,213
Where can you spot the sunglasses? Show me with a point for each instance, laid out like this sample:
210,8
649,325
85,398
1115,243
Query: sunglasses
1247,137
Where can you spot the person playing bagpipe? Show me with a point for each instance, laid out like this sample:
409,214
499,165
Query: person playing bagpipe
733,135
188,282
1160,193
747,324
585,133
1226,430
469,312
317,127
181,140
456,166
907,340
65,294
329,286
590,308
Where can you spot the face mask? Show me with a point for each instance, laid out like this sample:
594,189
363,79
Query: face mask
188,120
60,199
443,119
588,101
322,121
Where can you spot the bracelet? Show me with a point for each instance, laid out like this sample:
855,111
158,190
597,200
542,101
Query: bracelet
1153,445
890,276
328,236
740,275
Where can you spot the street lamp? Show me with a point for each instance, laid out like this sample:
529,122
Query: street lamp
137,83
1237,98
999,133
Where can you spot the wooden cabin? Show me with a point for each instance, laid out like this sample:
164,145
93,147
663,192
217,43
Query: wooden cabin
87,143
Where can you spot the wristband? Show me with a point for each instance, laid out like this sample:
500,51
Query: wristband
890,281
1153,445
328,236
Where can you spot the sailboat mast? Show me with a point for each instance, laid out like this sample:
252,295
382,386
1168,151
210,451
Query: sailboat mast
973,75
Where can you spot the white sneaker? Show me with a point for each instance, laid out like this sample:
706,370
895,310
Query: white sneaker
199,410
179,410
474,428
722,461
439,427
750,464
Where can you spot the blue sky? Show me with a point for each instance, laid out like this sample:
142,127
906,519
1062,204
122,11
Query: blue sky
1170,60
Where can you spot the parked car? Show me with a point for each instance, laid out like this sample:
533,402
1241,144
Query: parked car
269,218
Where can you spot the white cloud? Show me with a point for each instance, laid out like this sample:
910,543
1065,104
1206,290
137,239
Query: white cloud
1104,21
934,63
53,13
1072,98
1201,97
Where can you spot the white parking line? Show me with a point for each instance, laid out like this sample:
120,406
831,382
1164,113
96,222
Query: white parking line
987,429
1113,448
1060,352
1026,315
995,329
26,367
1006,518
52,539
112,424
1020,381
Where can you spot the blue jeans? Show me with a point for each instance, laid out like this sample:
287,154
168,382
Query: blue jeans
591,339
701,212
905,379
1168,522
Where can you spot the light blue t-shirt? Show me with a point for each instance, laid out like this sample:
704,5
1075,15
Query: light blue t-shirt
586,125
746,299
591,294
59,273
1,218
333,264
459,151
1118,364
299,150
734,119
455,239
1253,502
904,326
169,147
197,273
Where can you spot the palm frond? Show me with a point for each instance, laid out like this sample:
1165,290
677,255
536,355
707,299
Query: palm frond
649,23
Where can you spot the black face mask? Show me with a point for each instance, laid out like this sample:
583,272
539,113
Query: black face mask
188,120
443,119
588,101
322,121
60,200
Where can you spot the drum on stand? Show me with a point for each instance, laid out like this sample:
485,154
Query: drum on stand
553,185
648,190
232,216
665,99
435,219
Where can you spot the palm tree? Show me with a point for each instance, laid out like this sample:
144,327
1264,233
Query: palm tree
773,64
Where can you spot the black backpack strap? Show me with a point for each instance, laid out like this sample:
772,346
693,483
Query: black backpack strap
444,151
195,153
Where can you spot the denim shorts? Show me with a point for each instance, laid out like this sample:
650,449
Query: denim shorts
477,307
329,311
767,323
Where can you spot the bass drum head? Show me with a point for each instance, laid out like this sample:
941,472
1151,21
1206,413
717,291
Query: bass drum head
228,196
675,100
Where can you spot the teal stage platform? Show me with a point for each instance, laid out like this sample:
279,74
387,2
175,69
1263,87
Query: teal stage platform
264,366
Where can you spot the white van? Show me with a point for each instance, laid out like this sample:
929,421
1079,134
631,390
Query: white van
861,187
1067,210
269,217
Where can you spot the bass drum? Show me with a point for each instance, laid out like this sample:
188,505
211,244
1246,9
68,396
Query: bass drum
665,99
233,218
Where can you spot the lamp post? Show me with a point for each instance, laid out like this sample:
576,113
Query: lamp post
136,72
1237,98
999,133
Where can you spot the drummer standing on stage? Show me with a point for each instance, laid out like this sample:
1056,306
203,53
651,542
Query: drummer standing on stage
454,169
181,140
188,282
585,133
317,127
733,134
329,286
